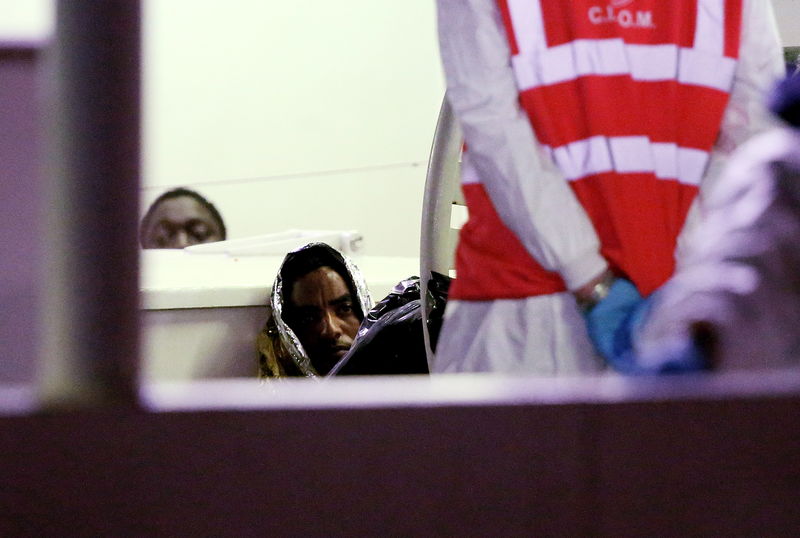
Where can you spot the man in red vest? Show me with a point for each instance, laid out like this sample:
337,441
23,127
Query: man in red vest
590,126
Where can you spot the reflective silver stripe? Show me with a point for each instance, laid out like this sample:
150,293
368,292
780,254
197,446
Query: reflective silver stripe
528,24
621,154
709,33
629,154
613,57
538,65
703,69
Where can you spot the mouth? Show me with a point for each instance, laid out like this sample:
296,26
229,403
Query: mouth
339,351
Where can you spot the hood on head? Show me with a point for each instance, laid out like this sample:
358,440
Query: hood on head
287,336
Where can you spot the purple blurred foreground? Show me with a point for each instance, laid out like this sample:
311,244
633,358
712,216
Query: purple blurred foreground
461,456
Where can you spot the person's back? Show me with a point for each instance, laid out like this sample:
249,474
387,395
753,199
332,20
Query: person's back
630,101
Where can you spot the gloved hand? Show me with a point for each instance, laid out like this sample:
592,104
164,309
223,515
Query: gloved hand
613,323
609,323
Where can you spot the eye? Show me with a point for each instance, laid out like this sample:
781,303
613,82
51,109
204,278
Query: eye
200,231
344,309
162,235
167,231
307,318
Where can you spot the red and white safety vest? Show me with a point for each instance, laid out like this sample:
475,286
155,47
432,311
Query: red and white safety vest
627,97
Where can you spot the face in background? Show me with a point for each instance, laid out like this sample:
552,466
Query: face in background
324,317
179,222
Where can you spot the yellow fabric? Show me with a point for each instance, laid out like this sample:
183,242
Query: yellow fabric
273,357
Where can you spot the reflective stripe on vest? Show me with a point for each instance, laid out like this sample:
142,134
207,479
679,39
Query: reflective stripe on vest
627,96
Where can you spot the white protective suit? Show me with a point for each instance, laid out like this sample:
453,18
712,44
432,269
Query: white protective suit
741,272
546,334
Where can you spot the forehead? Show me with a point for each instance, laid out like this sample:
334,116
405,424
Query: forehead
181,209
318,287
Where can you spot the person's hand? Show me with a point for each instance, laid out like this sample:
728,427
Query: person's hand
690,353
613,323
610,321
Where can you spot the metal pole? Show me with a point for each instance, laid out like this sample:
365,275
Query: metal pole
90,352
441,186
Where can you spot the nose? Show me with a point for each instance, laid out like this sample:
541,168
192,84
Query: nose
331,326
181,239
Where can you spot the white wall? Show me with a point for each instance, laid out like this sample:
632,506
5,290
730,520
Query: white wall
787,13
29,21
313,114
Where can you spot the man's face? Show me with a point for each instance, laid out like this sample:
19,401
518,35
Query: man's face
180,222
323,316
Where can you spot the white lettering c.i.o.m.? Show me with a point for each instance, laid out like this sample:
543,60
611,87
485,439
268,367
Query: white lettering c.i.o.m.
624,17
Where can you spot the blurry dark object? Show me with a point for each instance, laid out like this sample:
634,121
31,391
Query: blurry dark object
784,101
438,286
390,340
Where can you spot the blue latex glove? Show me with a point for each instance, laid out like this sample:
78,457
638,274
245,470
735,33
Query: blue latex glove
608,322
614,321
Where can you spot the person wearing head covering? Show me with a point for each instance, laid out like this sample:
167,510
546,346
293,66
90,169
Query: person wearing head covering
590,129
317,303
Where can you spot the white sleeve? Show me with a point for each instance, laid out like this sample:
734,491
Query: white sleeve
529,193
759,67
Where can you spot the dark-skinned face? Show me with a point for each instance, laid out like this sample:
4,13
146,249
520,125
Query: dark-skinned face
180,222
324,317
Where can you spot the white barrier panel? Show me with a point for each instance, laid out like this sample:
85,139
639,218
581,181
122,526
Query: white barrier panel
201,312
429,456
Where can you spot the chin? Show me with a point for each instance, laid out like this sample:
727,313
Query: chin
326,364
